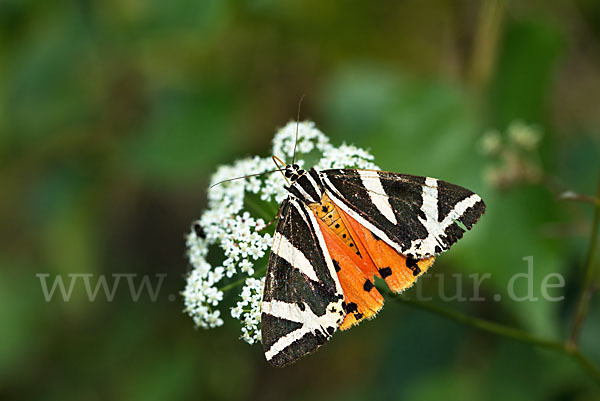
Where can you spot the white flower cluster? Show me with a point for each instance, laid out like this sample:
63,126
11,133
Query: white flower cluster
515,157
227,225
248,310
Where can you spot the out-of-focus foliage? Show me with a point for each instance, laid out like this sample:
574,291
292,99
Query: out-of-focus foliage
113,115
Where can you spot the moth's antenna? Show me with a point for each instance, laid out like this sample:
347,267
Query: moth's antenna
277,161
297,123
246,176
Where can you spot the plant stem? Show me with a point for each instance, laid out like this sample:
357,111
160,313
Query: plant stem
588,365
486,43
482,324
588,288
258,208
233,284
258,273
506,331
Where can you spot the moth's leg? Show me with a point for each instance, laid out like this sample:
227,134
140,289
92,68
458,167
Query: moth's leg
276,218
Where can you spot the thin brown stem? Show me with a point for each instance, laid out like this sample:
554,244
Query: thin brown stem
506,331
259,273
485,46
587,288
486,325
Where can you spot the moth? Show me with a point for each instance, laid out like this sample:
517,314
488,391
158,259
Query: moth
337,230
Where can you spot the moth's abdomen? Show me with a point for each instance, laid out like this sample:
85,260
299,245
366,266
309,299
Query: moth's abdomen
326,211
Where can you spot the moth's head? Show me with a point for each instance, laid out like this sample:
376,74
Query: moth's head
293,172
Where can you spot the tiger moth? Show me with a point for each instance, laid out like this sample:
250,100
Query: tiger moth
337,230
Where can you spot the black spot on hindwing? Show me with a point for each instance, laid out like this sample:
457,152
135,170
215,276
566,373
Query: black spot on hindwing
351,307
385,272
413,266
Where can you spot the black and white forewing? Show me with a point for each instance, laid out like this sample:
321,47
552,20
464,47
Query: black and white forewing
302,301
417,216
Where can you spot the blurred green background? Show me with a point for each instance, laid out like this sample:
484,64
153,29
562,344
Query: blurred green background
114,114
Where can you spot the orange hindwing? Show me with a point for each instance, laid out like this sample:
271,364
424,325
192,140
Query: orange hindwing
358,256
398,271
362,300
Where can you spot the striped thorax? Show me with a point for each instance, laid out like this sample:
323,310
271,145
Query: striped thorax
305,185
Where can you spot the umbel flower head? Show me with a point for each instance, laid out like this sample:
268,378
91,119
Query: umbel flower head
232,230
514,157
